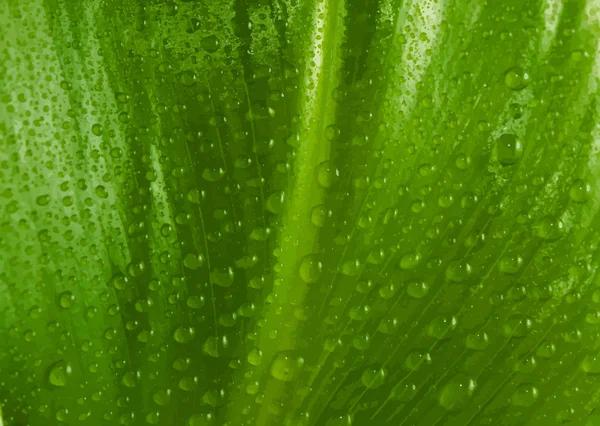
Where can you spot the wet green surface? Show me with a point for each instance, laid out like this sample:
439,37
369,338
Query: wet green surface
299,213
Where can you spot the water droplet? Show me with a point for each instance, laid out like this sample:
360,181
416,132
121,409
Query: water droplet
416,358
210,44
43,200
417,289
101,191
404,392
546,350
549,228
462,162
318,215
129,379
286,366
97,129
66,299
275,202
387,291
193,261
255,356
362,342
188,78
57,375
445,200
332,132
510,149
477,341
310,268
456,393
351,267
327,174
410,260
182,364
580,191
222,278
458,271
525,395
184,334
426,169
440,326
373,377
162,397
516,78
510,264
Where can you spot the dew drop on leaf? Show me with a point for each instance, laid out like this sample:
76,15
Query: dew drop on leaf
184,334
210,43
458,271
456,393
410,260
525,395
477,341
275,202
97,129
417,289
57,375
510,149
549,228
286,366
43,200
510,264
310,268
416,358
66,299
327,174
318,215
580,191
373,377
255,356
516,78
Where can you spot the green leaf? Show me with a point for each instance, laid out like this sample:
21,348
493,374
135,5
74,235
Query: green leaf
299,213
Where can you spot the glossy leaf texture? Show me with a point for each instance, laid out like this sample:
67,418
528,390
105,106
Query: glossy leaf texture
298,213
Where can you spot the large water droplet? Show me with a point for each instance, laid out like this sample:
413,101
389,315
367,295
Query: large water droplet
456,393
327,174
210,43
184,334
286,366
525,395
373,377
57,375
458,270
549,228
580,191
510,149
310,268
417,289
275,201
516,78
